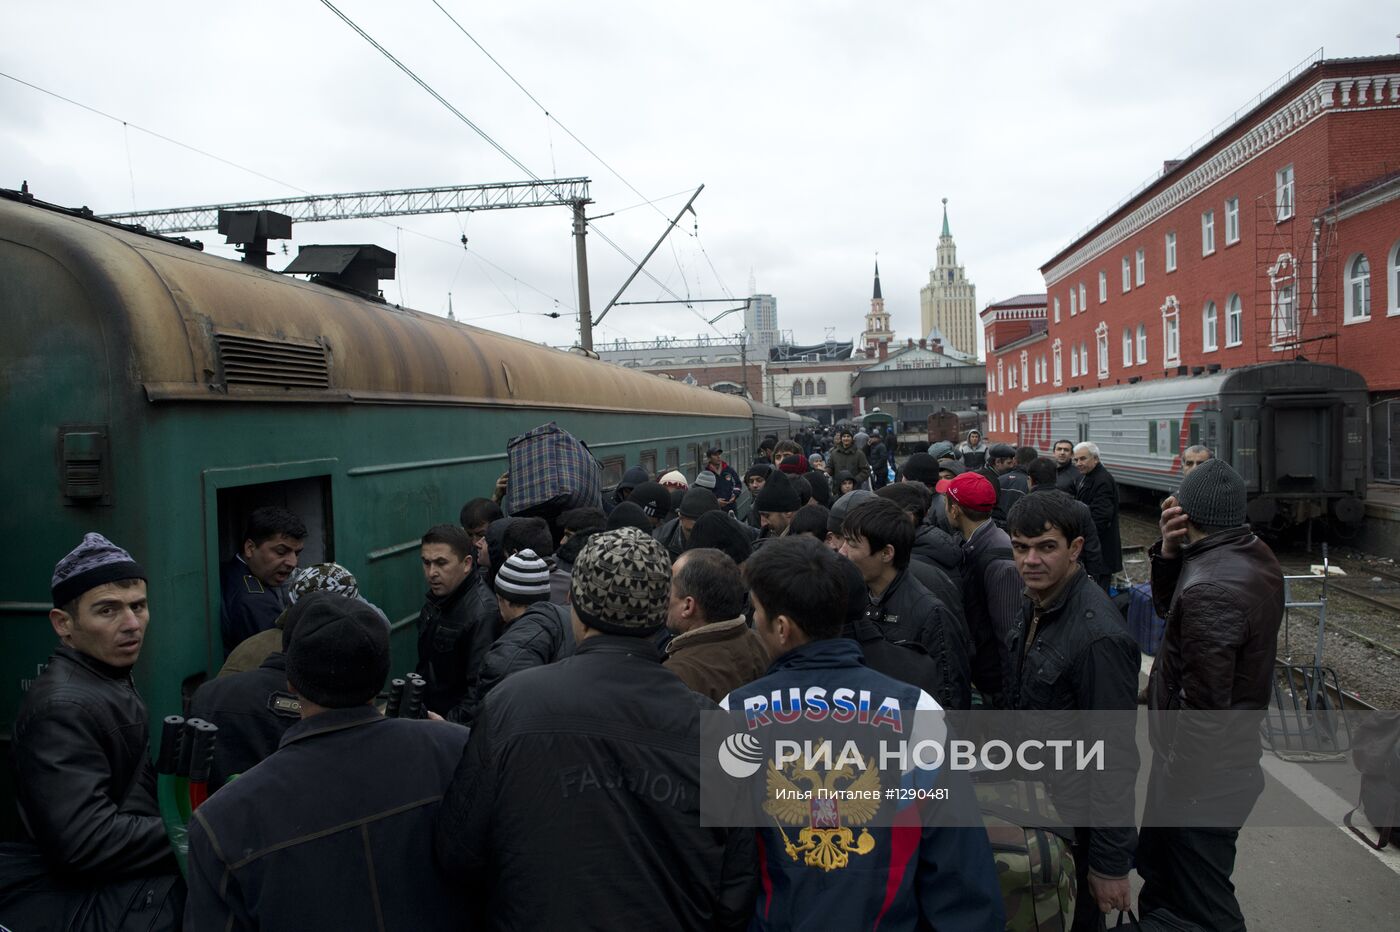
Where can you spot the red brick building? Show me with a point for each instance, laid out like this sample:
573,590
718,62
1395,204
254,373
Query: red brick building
1278,238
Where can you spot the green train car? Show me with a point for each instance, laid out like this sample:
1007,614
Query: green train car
157,394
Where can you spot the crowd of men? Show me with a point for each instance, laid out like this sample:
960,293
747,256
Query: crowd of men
566,660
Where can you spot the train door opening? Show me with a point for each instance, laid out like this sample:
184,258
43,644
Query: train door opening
1301,448
308,499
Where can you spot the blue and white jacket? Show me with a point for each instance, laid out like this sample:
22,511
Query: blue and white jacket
894,879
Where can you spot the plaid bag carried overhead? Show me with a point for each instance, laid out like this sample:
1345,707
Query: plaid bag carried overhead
551,467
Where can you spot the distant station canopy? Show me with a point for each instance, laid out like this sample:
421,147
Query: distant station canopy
816,352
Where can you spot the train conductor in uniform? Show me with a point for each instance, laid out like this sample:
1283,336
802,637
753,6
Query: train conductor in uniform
253,580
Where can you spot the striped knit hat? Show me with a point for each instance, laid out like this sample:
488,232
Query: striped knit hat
620,583
95,562
524,578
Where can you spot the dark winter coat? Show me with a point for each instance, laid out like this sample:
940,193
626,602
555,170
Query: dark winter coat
999,510
936,548
908,663
542,635
454,634
1098,490
1066,477
333,831
592,758
849,459
86,785
246,606
906,612
1073,654
1222,600
727,484
1013,486
911,877
991,590
717,658
672,537
252,711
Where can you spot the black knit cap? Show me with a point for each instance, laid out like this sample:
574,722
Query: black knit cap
777,495
719,530
758,469
653,498
921,468
339,655
629,514
696,502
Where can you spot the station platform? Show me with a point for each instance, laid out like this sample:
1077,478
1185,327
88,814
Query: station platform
1381,533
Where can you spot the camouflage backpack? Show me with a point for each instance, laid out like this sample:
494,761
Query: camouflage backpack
1034,865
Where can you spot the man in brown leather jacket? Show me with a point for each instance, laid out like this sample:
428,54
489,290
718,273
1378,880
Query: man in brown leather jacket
1220,589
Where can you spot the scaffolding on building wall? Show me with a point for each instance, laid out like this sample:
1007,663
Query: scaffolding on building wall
1296,289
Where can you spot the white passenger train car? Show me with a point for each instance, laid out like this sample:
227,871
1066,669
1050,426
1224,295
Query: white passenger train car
1296,432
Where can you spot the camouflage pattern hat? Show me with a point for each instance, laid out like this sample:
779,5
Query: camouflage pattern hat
621,581
323,577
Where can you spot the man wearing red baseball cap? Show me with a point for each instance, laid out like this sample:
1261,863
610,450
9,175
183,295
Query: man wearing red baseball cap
991,587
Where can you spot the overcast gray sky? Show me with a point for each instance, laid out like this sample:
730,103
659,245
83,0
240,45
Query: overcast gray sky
824,132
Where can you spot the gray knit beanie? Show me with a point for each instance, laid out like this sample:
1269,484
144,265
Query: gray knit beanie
1213,495
94,562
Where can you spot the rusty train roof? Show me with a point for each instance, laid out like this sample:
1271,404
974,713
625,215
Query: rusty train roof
182,312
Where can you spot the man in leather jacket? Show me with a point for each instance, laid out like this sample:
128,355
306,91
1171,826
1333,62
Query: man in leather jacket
459,620
86,785
1220,589
1069,652
878,539
1097,489
591,761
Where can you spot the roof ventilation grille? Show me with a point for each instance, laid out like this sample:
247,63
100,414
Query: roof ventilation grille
261,362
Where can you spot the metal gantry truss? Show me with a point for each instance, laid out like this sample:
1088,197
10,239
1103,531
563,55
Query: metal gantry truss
548,192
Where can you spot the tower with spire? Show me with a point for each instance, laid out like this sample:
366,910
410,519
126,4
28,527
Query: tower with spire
948,303
877,322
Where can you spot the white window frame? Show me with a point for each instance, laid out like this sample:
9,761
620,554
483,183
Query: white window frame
1170,248
1127,347
1057,353
1234,320
1083,357
1001,377
1057,310
1127,275
1392,279
1142,344
1284,193
1207,232
1283,302
1358,290
1210,328
1103,287
1025,371
1141,266
1232,221
1101,348
1083,298
1074,362
1171,332
1073,301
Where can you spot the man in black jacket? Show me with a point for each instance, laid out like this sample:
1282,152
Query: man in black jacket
86,786
878,538
253,581
1220,589
458,622
1098,490
1071,653
334,830
1001,457
1066,476
935,559
535,631
595,755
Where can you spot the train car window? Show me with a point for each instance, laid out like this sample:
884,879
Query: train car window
1195,433
693,456
649,462
309,499
673,458
1174,438
1151,436
613,468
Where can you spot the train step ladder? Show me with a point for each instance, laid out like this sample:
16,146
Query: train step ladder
1306,721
